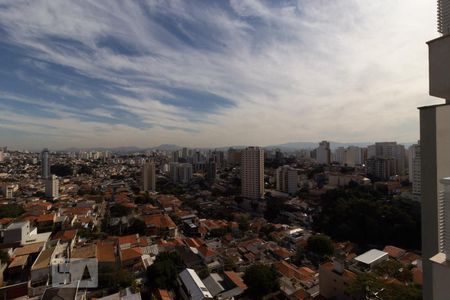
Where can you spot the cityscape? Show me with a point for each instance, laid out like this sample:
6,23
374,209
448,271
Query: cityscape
225,207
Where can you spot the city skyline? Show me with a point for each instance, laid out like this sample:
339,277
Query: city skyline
226,73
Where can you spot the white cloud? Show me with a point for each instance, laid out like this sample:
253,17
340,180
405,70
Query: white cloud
349,70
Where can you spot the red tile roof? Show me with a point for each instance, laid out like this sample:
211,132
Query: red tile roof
235,279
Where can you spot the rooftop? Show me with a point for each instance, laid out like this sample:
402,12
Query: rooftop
371,256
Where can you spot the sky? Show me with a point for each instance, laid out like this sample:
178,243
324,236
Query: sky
212,73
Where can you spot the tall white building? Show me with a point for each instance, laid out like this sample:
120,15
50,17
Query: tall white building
45,164
52,187
148,177
252,164
340,155
287,180
181,172
323,153
414,168
354,156
435,160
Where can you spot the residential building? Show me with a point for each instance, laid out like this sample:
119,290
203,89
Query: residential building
218,158
52,187
323,153
435,149
340,155
149,177
287,180
381,168
192,287
45,164
252,177
387,151
354,156
414,169
334,280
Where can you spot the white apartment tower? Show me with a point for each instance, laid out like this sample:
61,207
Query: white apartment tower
252,164
414,169
287,180
149,177
52,187
435,158
45,164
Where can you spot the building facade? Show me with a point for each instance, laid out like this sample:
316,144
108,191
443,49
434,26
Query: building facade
287,180
252,177
149,177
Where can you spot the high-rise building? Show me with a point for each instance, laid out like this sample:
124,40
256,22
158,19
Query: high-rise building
386,151
175,156
252,164
340,155
435,158
148,177
218,158
45,164
211,171
2,156
234,157
414,168
354,156
323,153
184,173
381,168
52,187
287,180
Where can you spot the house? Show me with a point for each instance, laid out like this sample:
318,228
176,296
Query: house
160,225
334,280
192,287
225,286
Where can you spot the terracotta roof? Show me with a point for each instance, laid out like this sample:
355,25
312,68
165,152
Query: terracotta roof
106,252
206,252
409,258
66,235
417,276
192,242
394,252
236,279
301,294
46,218
128,239
132,253
159,221
28,249
290,271
19,261
85,251
6,221
163,295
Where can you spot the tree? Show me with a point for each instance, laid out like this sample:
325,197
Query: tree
137,226
4,257
11,210
164,271
261,280
366,286
273,208
321,245
61,170
393,269
119,211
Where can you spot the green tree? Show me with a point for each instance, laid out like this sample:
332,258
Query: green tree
137,226
393,269
164,271
4,257
11,210
261,280
118,210
320,245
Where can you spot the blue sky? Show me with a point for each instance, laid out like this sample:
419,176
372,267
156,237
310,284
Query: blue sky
211,73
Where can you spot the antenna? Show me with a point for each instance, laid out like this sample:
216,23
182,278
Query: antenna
443,22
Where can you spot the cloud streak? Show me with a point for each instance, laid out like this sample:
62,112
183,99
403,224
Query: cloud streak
239,72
